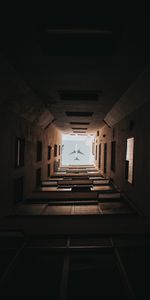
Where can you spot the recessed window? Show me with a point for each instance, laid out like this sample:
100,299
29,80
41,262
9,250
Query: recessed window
79,131
99,156
55,150
131,125
79,123
59,149
96,153
55,166
80,95
129,160
79,128
79,114
59,163
48,170
105,157
38,177
113,156
49,152
19,152
39,151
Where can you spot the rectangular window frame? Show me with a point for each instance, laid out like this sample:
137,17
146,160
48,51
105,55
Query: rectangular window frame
38,177
100,149
49,152
48,170
96,153
113,156
129,160
105,158
19,152
55,150
59,149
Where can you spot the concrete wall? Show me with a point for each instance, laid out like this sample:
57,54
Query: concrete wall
11,127
138,192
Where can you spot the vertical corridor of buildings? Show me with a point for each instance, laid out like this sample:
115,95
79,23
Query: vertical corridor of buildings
74,154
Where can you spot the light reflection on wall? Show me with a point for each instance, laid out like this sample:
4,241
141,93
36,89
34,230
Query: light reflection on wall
129,158
77,150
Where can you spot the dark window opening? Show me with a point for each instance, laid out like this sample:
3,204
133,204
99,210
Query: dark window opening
39,151
18,190
126,169
105,157
79,123
96,153
79,95
19,152
38,177
56,165
113,156
48,170
59,149
79,114
55,150
79,131
79,128
49,152
131,125
99,156
59,163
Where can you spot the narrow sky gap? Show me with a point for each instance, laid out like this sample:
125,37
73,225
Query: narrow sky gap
77,150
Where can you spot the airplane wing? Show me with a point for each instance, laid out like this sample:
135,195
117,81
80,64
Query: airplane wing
73,152
76,158
80,152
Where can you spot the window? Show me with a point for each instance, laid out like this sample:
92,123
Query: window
59,149
96,153
39,151
59,163
48,170
99,156
93,148
129,160
79,114
105,157
18,189
19,152
49,152
38,177
55,166
113,156
55,150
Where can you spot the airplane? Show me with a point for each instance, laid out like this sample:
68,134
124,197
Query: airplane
76,151
76,158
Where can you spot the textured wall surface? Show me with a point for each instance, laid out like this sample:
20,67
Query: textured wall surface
138,192
13,127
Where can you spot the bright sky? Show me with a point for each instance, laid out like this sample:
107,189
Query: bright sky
77,150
